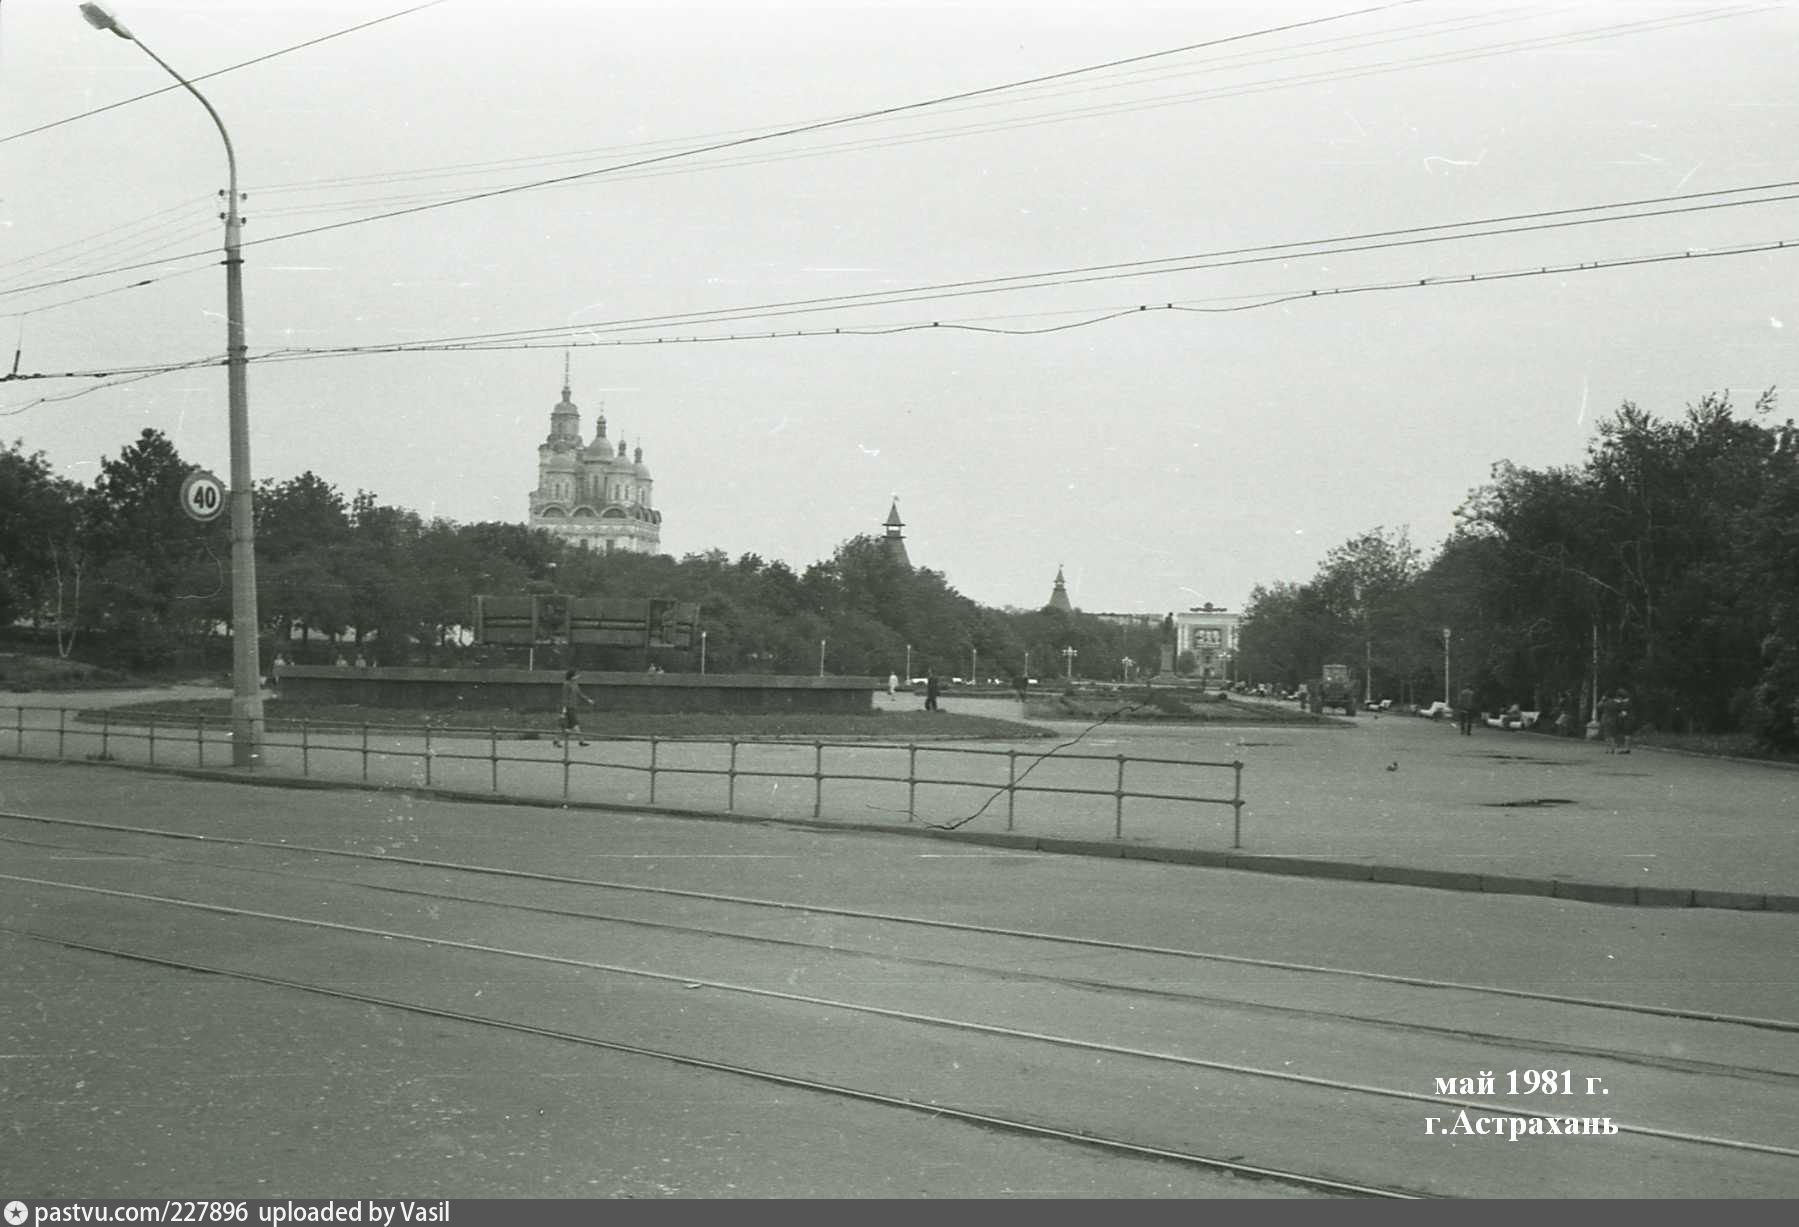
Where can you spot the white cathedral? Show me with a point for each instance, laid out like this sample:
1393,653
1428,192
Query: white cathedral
591,494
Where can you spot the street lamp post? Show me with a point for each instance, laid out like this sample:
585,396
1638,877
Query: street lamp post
1446,666
1068,655
246,669
908,664
821,656
702,653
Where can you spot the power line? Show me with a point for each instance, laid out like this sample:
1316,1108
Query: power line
421,201
878,113
752,139
1312,295
1229,257
571,157
1600,32
219,72
134,374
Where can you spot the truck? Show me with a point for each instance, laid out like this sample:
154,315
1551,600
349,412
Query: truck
1337,689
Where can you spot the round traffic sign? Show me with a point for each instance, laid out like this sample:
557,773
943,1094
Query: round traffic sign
202,496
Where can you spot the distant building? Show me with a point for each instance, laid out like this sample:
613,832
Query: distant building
895,540
1058,597
592,495
1210,633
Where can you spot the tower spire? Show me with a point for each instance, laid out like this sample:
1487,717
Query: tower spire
565,390
895,539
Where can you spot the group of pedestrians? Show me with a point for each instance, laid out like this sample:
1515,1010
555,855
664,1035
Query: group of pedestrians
1617,722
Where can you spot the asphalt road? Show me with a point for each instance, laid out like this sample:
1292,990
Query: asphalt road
350,994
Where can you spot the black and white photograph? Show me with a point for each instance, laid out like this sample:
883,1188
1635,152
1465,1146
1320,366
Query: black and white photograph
895,599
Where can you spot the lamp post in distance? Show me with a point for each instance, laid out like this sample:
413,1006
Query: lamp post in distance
246,668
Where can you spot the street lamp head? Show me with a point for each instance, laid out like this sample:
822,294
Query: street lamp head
97,17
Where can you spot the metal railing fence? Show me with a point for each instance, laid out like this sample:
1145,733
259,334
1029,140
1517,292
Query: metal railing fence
184,740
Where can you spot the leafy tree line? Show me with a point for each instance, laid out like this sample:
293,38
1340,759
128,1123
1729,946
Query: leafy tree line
1666,562
116,571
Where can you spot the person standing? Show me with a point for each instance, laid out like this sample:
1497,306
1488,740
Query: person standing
892,684
931,690
572,698
1464,711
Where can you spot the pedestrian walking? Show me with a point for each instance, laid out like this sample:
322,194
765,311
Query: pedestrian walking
892,684
931,690
1464,711
572,698
1615,724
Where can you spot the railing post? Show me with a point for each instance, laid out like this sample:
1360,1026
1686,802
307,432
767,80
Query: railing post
19,715
1237,808
731,781
652,769
818,778
1011,785
427,754
912,783
105,734
493,755
62,728
305,749
1118,800
200,742
568,736
365,751
152,739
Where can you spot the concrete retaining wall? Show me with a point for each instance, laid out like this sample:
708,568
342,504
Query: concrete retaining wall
541,690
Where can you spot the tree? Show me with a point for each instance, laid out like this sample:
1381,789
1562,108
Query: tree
159,577
43,554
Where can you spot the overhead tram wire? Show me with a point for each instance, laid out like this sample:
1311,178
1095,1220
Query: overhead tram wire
418,201
1261,301
113,235
1191,262
219,72
859,117
1441,281
438,203
737,142
578,156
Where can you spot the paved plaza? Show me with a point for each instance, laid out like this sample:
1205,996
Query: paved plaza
1381,792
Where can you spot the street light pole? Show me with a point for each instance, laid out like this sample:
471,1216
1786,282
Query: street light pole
702,653
1446,666
246,668
821,657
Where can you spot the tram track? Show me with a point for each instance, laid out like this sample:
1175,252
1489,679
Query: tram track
1162,1128
1557,1049
689,980
933,1108
861,914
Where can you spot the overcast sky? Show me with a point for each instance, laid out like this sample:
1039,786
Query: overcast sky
1164,459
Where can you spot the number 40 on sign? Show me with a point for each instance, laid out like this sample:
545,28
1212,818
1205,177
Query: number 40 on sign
203,496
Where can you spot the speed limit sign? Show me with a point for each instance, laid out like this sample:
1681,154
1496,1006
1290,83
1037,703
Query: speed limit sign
202,496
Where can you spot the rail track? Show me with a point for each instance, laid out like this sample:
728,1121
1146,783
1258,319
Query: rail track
1093,1014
